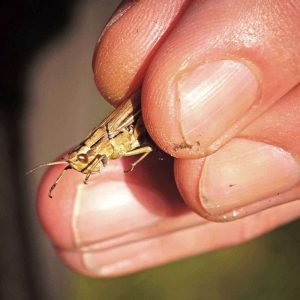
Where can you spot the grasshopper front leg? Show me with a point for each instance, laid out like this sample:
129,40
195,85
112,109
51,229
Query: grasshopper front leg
94,164
143,150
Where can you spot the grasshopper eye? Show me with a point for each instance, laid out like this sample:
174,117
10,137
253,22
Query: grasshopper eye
82,158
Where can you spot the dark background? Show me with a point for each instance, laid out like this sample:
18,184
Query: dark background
48,102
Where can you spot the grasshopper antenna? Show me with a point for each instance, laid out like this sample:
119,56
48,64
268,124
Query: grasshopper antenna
57,180
45,165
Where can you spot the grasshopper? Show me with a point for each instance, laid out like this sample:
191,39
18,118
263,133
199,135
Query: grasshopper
122,133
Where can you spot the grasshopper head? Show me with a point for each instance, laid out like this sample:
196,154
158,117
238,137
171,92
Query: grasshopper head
85,160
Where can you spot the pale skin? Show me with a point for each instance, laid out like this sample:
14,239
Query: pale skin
267,42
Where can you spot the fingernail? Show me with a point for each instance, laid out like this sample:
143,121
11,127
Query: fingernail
243,173
213,97
114,221
110,209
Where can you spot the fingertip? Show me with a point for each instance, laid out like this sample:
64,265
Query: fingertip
81,214
98,228
128,43
243,178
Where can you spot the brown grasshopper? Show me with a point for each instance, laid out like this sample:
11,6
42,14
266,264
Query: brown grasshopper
122,133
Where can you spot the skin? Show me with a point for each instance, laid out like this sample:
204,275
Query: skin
148,41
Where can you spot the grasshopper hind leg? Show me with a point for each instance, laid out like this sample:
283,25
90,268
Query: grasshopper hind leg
145,151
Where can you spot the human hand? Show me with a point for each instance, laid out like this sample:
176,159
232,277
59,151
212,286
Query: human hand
218,77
